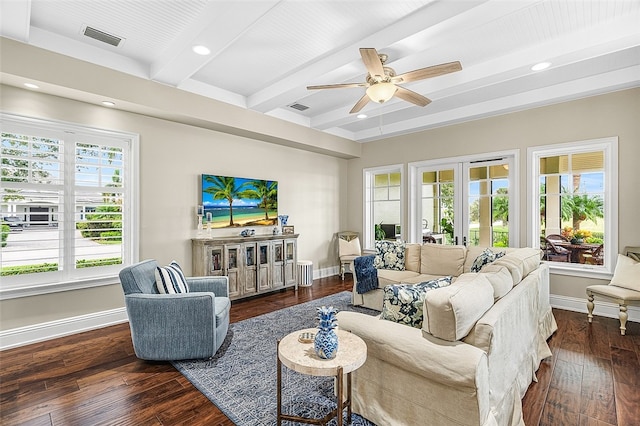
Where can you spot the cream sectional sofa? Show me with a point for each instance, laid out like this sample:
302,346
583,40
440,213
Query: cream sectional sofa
481,342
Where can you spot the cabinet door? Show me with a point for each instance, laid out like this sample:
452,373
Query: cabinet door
250,269
291,258
215,260
233,259
277,266
264,263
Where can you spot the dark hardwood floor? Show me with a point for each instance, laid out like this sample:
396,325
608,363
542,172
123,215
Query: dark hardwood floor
94,378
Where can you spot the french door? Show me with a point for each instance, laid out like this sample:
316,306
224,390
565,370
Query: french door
470,202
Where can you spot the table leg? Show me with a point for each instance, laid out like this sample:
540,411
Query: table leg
339,378
279,380
349,397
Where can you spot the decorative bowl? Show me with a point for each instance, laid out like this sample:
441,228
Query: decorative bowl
306,337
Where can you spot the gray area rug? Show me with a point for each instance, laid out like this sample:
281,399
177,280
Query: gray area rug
241,379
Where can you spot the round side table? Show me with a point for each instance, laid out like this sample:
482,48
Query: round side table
302,358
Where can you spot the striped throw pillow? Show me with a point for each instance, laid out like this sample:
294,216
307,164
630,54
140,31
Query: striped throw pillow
170,279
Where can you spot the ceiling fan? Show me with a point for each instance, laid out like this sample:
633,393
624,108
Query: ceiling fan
382,82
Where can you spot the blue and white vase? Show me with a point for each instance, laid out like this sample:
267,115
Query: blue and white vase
283,218
326,341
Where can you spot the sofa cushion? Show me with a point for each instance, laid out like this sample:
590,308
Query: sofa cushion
390,255
626,274
403,303
387,276
486,257
500,279
451,312
412,257
442,260
520,262
170,279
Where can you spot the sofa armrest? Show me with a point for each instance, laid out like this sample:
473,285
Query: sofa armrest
449,363
217,285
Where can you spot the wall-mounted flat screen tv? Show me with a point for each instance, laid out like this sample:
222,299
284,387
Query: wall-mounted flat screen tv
237,202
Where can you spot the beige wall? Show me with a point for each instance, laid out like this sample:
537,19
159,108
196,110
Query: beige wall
172,157
615,114
321,193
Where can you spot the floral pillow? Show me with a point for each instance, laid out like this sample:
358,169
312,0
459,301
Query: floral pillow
403,303
486,257
389,255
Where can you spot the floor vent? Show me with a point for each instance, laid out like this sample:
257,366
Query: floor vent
299,107
102,36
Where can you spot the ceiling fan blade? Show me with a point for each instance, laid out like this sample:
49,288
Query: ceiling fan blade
360,104
411,96
428,72
372,61
337,86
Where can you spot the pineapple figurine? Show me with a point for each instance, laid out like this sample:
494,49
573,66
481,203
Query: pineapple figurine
326,340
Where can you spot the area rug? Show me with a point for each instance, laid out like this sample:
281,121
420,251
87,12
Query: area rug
241,379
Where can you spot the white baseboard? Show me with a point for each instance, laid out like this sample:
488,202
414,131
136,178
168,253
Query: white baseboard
325,272
602,308
51,330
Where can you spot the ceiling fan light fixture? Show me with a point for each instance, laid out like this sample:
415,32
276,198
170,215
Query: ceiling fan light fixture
381,92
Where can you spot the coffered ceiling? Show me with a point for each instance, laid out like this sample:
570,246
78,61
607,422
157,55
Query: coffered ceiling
264,53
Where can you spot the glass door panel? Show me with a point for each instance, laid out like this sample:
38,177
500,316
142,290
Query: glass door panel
437,205
487,204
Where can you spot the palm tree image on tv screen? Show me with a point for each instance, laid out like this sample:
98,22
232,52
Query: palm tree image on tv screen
239,202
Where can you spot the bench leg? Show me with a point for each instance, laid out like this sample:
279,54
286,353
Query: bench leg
623,319
590,307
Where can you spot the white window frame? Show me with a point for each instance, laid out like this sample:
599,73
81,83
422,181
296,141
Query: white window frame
51,282
610,147
367,191
460,164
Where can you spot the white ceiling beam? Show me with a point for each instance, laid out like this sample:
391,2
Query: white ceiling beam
293,87
560,52
598,84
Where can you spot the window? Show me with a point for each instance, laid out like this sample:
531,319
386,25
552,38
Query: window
73,190
574,193
383,204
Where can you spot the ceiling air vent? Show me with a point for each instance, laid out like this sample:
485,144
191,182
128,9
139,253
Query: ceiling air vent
298,106
101,36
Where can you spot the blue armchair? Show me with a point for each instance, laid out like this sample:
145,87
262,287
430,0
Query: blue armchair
175,326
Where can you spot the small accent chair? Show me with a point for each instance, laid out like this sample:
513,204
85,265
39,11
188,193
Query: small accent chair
622,295
557,237
429,239
553,252
348,249
595,256
168,327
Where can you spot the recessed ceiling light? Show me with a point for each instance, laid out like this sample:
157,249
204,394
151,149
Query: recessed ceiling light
108,103
201,50
361,116
541,66
31,86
